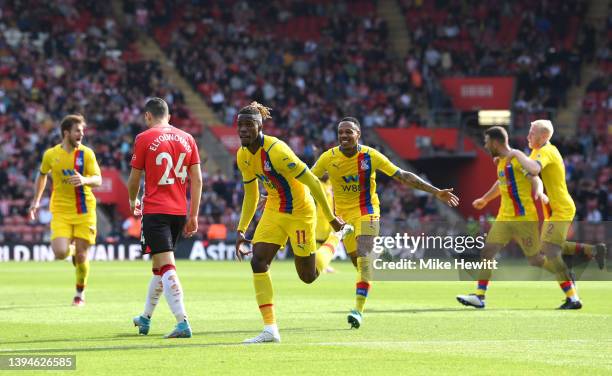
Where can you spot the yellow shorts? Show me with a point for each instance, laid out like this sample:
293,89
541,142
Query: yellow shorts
276,228
68,227
525,233
368,224
555,231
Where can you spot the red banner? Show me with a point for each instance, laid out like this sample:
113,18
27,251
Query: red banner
228,137
480,93
113,191
406,141
472,177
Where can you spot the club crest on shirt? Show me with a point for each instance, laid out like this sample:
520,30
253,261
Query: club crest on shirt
79,161
364,165
267,166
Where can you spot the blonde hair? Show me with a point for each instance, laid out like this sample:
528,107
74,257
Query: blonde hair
544,126
256,108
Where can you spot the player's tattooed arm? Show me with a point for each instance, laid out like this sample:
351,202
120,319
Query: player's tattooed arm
411,180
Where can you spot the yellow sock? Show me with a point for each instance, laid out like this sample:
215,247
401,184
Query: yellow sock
569,289
557,267
82,274
572,248
481,287
484,276
325,253
264,296
364,275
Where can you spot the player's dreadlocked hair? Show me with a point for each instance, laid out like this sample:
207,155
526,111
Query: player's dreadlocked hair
256,108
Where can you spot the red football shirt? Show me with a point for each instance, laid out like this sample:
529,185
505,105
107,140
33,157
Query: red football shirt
165,153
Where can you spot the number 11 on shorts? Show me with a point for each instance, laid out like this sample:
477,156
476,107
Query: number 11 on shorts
301,236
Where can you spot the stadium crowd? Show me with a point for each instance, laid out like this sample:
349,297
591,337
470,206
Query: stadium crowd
312,61
542,44
57,58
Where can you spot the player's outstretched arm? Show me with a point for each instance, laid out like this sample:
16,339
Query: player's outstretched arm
249,206
195,176
491,194
314,184
411,180
133,185
531,166
39,188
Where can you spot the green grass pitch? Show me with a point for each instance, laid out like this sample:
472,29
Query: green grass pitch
409,327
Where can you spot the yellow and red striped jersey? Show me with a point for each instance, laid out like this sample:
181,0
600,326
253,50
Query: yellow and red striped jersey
278,168
515,189
67,199
354,179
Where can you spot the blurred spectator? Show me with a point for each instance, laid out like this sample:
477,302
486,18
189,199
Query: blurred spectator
132,228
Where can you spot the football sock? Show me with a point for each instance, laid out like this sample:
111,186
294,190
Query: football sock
325,253
572,248
155,290
558,268
82,274
265,298
484,276
173,291
570,290
481,287
80,291
364,276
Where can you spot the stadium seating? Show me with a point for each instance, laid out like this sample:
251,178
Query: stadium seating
313,62
543,40
59,58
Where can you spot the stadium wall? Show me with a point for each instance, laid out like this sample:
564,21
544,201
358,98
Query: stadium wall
473,177
113,191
